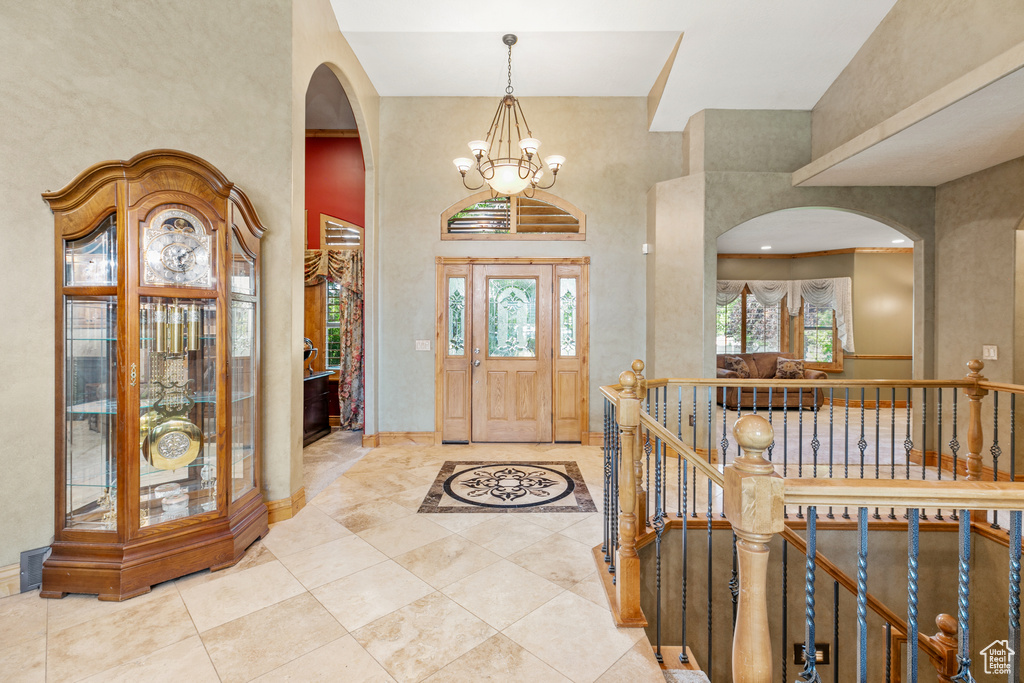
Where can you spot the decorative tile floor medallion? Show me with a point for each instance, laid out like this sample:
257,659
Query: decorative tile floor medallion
539,486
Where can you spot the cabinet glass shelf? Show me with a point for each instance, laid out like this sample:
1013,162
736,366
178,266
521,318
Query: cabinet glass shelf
108,406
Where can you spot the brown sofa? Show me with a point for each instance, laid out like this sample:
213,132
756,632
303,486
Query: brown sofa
762,366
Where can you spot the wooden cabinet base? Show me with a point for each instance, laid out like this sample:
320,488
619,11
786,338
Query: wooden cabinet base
119,571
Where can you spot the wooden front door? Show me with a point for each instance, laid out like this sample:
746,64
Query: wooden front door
511,350
511,353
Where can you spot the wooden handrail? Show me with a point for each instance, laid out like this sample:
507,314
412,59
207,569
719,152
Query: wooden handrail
960,495
673,442
873,603
897,383
1000,386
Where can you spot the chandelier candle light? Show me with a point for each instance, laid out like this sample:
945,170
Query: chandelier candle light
506,174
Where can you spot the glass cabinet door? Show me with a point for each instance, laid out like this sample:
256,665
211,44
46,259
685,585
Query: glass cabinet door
90,412
178,408
243,398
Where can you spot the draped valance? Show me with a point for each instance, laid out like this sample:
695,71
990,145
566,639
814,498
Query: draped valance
835,293
343,266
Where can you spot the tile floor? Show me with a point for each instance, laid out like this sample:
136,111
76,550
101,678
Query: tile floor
360,587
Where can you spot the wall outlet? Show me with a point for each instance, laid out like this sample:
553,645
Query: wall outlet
645,248
422,344
989,352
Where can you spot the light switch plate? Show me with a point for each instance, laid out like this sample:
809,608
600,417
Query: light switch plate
989,352
422,344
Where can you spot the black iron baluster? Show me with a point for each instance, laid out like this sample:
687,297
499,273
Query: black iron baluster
888,652
616,457
835,631
913,551
771,446
924,440
785,441
846,448
647,472
878,438
862,595
800,444
1013,438
996,451
659,528
725,439
810,670
710,576
938,444
908,442
711,438
679,456
892,444
785,606
954,447
963,602
1014,611
734,582
605,447
831,441
682,655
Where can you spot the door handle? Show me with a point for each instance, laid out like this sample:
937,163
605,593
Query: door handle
476,363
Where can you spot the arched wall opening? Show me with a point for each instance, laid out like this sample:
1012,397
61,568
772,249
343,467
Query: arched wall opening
812,243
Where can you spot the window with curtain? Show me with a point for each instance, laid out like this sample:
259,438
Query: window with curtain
744,325
332,325
817,337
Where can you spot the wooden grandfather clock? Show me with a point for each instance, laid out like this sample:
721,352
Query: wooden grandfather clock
157,416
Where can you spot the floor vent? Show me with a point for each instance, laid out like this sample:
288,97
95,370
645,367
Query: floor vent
32,568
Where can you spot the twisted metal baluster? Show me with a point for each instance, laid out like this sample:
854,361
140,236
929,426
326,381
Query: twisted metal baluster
996,451
616,456
1014,612
938,447
1013,437
924,440
810,671
913,551
835,631
711,576
878,436
679,457
785,442
888,652
846,449
908,443
954,447
734,582
605,542
800,444
711,437
647,491
892,444
659,528
862,595
725,439
682,655
831,442
785,605
963,602
771,446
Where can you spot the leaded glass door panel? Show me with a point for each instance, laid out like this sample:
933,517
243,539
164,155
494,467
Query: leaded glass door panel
511,353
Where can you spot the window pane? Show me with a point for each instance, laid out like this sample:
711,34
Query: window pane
567,309
512,315
818,337
727,322
333,347
456,316
92,260
488,217
764,326
333,302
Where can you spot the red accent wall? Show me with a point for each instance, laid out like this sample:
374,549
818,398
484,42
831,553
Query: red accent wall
335,183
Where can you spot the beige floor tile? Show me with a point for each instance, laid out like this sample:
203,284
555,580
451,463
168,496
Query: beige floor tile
358,599
638,664
574,636
311,527
386,481
185,660
506,534
460,521
497,660
25,662
117,638
262,641
343,660
556,521
254,556
422,637
221,600
363,516
341,494
502,593
592,588
402,535
333,560
446,560
22,619
75,609
588,532
412,498
558,559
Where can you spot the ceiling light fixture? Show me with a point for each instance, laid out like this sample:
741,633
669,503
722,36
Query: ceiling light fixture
766,247
507,173
898,241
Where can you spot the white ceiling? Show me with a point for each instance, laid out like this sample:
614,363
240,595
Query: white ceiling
735,54
796,231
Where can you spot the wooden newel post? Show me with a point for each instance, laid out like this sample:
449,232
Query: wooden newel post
754,506
945,642
641,492
975,435
627,572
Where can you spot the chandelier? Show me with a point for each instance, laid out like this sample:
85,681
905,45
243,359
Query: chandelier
504,159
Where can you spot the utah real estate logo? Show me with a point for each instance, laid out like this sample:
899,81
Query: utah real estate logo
997,657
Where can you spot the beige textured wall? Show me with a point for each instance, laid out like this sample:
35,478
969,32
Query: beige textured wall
920,46
611,163
883,302
756,140
82,86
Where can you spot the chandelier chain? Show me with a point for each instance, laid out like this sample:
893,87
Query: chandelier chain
508,89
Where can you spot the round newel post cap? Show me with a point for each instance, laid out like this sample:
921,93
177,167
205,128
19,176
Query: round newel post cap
638,366
975,366
627,380
753,433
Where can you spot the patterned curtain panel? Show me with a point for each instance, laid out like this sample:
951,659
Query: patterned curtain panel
345,267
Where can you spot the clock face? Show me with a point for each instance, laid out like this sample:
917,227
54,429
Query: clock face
177,251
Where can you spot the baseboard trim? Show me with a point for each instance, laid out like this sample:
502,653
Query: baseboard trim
371,440
286,508
334,420
10,580
405,438
867,404
592,439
